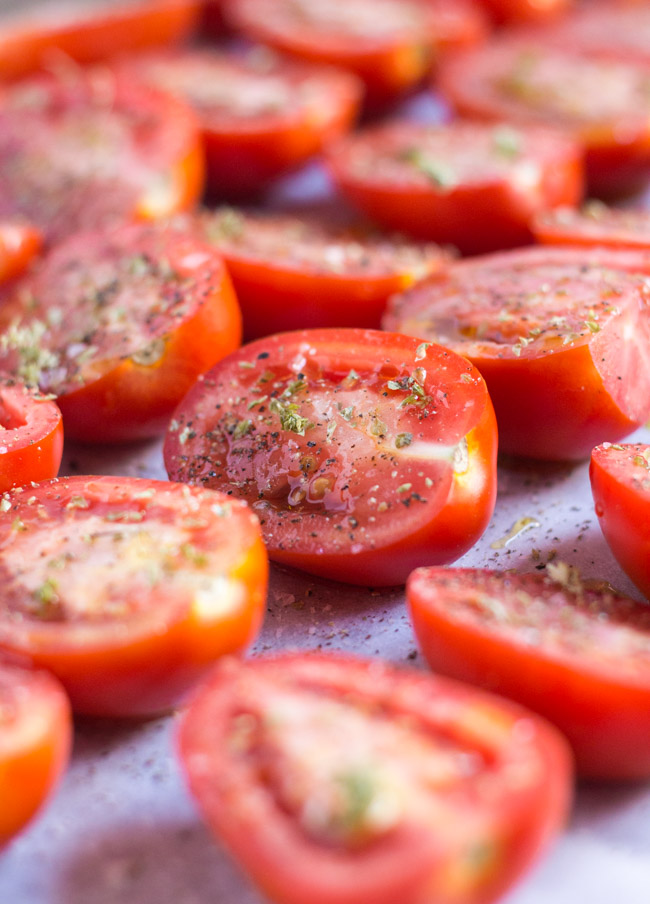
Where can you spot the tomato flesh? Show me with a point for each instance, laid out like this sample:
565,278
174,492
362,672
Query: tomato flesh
31,435
596,225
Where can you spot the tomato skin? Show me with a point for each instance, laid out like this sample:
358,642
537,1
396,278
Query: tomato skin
140,663
596,225
409,864
19,244
520,12
31,441
315,529
601,705
35,742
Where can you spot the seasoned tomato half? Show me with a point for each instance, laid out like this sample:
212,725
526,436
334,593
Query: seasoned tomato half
19,244
604,104
474,185
293,271
620,483
260,114
579,656
127,589
35,740
389,44
31,435
336,780
595,225
363,453
86,149
560,339
118,326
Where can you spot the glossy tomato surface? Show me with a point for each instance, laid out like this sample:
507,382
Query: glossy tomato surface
472,185
363,453
127,589
31,435
604,104
35,740
560,339
19,244
118,326
296,271
620,483
576,655
595,225
439,792
260,114
88,148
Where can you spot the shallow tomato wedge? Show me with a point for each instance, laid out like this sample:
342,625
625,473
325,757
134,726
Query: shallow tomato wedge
473,185
603,104
595,225
362,452
118,326
127,589
260,115
19,244
561,340
87,149
35,741
620,483
31,435
296,271
578,656
439,792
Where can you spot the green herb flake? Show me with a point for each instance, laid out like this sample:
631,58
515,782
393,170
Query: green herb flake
403,439
404,488
592,326
127,515
255,402
242,429
438,172
290,419
79,502
506,141
195,556
466,378
421,350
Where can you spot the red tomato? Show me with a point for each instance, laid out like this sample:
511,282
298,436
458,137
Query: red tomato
561,342
473,185
519,12
604,104
127,589
300,271
594,225
31,435
19,244
621,487
88,36
363,453
388,44
604,29
35,739
577,656
260,115
118,326
334,780
87,148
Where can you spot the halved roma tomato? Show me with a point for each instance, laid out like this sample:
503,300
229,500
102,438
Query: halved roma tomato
89,35
620,483
560,338
604,104
388,44
31,435
19,244
260,114
118,326
85,149
335,780
35,740
292,271
127,589
578,656
473,185
595,225
363,453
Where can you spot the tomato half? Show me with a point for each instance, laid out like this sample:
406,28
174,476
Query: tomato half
334,780
594,225
87,149
577,656
118,326
604,104
127,589
363,453
296,271
19,244
519,12
619,30
560,341
620,484
473,185
35,740
89,36
260,114
31,435
388,44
